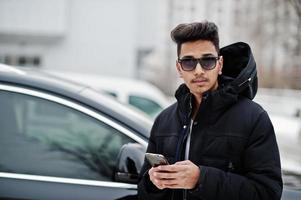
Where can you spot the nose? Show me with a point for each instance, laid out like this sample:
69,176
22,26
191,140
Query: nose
198,69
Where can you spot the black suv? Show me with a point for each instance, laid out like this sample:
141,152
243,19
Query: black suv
60,140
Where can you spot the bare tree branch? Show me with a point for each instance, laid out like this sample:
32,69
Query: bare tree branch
297,5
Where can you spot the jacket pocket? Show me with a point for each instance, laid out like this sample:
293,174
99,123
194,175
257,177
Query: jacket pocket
227,147
224,144
219,163
227,165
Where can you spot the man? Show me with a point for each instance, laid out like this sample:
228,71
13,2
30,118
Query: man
219,143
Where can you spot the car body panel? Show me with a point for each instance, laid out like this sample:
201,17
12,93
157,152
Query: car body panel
60,188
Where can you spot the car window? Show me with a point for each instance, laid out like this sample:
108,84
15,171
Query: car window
110,93
291,180
41,137
146,105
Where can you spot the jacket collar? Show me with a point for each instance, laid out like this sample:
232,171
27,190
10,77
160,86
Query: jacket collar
212,106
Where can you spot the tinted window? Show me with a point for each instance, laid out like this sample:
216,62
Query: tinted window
112,94
148,106
45,138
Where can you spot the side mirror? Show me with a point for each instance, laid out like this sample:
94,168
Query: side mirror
129,162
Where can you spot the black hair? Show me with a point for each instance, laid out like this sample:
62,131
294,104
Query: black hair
195,31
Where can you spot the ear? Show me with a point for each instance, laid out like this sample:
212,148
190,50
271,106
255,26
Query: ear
220,65
178,66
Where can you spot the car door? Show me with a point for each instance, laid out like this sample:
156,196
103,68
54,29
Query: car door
53,148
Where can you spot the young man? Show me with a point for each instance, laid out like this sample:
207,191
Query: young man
219,143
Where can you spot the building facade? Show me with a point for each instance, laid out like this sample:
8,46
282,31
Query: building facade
131,38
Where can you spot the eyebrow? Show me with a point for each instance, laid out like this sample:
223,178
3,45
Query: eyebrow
203,55
208,54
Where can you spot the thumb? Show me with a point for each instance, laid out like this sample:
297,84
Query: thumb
184,162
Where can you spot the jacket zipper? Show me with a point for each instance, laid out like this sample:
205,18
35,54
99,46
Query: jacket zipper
186,157
185,194
180,147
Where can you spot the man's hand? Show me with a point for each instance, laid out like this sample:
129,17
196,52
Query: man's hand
181,175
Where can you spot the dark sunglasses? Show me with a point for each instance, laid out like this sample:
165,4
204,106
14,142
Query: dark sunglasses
189,64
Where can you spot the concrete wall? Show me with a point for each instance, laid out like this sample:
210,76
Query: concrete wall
81,35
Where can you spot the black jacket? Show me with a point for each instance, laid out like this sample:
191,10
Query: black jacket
232,140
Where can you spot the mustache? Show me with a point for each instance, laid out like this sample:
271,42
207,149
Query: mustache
199,79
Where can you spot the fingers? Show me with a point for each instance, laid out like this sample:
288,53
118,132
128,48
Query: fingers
158,174
169,168
165,175
163,179
184,162
183,174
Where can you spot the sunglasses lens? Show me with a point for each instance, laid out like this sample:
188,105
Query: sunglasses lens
208,62
188,64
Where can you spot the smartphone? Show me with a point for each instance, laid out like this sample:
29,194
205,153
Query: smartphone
156,159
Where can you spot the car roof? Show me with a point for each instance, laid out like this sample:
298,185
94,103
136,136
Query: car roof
119,85
80,93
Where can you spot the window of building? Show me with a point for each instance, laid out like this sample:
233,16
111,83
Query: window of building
21,60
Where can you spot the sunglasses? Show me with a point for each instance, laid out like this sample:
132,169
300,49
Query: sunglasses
189,64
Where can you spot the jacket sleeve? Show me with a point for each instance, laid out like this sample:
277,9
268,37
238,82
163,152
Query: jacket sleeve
146,189
262,174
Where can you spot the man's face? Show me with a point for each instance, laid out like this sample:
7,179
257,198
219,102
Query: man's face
200,80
